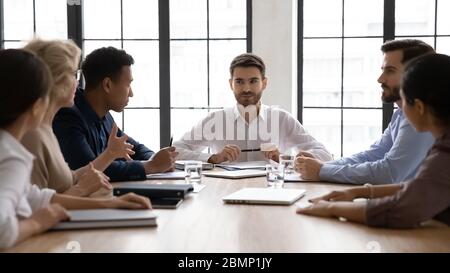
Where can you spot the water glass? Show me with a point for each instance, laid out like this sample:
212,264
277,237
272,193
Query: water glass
274,176
193,170
287,163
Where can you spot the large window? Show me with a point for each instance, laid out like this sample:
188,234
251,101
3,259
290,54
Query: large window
133,26
203,37
23,19
427,20
340,60
339,56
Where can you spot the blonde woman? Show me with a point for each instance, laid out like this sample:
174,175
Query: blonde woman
26,210
50,169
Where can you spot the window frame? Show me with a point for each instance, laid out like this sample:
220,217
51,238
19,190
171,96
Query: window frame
75,32
388,34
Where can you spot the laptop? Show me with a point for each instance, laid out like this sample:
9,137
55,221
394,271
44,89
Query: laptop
267,196
236,174
106,218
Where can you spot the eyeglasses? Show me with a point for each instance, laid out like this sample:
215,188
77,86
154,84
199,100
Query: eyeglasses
78,74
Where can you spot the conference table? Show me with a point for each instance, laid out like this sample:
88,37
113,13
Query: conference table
204,223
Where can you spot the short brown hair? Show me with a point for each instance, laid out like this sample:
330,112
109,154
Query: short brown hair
411,48
248,60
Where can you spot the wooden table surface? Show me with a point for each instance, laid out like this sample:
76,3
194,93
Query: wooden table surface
203,223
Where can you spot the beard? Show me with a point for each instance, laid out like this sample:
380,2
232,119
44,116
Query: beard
390,94
248,98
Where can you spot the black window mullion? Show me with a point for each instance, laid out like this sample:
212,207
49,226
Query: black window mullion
2,26
75,23
75,26
207,56
300,37
342,77
249,26
164,72
388,34
121,45
34,16
435,22
121,23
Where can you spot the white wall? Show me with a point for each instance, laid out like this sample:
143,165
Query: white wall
274,39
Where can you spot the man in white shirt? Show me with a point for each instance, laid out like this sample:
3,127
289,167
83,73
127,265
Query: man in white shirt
236,133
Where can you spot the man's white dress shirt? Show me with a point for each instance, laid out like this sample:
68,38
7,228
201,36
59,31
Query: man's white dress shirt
228,126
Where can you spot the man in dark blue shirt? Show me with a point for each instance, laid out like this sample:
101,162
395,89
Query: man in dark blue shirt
83,130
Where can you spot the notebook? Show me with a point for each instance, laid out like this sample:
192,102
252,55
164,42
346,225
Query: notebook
295,177
237,174
265,196
177,175
103,218
258,165
179,165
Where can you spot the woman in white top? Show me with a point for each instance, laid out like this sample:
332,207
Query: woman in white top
25,210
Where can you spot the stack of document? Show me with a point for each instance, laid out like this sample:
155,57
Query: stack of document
167,176
179,165
102,218
249,165
235,174
295,177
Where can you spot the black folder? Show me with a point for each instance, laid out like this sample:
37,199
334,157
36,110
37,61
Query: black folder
155,191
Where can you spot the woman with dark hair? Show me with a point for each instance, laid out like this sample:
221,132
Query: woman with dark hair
426,103
25,210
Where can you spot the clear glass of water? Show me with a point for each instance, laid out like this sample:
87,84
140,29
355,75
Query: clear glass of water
274,176
287,163
193,170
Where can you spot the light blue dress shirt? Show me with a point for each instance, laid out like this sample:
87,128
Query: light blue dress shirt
394,158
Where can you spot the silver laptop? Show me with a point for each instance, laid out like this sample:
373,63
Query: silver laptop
236,174
265,196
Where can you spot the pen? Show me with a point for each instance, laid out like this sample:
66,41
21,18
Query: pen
251,150
171,141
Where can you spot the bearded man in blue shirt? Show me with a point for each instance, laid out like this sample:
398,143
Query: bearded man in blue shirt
396,156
